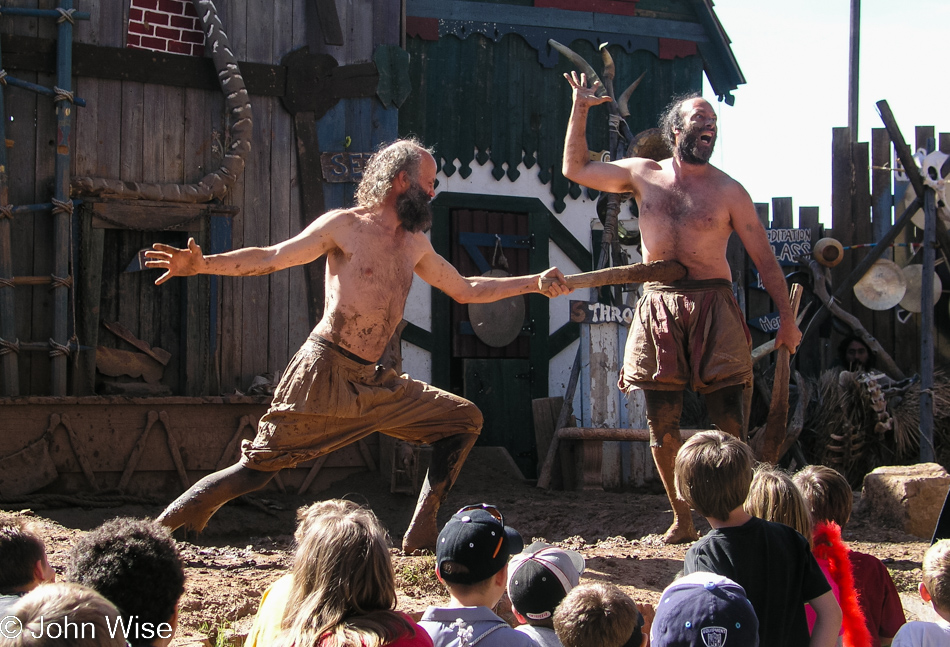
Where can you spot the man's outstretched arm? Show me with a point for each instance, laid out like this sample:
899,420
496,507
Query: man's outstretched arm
747,225
309,245
439,273
577,165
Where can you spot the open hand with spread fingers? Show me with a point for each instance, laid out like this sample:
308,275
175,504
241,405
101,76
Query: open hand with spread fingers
585,96
175,262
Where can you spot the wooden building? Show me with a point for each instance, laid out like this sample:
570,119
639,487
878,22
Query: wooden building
480,85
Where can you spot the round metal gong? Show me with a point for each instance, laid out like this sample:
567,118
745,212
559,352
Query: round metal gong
913,275
498,323
882,287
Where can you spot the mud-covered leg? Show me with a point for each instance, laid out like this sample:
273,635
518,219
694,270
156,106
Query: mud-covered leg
448,455
663,415
726,410
193,508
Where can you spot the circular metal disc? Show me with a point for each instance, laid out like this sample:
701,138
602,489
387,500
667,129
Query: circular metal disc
882,287
913,276
499,323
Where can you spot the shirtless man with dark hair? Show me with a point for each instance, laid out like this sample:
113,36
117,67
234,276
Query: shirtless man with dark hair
690,333
333,392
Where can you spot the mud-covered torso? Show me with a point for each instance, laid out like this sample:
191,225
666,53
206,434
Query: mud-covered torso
368,277
687,220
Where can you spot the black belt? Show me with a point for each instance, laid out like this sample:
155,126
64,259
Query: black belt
342,351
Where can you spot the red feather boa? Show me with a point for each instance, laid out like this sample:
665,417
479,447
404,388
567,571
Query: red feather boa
830,549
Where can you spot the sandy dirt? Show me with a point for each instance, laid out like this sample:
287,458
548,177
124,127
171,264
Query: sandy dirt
248,545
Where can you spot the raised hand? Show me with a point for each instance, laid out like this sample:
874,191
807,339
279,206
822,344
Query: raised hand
175,262
585,96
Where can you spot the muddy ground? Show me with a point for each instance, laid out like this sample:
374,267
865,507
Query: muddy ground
248,544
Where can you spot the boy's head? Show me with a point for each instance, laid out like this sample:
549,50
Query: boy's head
54,615
827,494
704,609
598,614
23,562
473,548
713,472
133,563
935,586
539,578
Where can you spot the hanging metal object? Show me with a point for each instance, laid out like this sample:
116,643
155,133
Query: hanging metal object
913,277
828,252
498,323
882,287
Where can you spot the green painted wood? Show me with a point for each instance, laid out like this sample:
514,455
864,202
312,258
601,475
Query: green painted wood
517,110
575,249
563,337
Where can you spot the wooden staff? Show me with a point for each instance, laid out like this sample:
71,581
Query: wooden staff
660,271
773,434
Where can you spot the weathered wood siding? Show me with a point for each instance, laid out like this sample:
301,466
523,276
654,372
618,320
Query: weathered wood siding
147,132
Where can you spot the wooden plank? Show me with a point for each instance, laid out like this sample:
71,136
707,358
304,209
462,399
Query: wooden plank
841,210
545,412
861,218
114,363
280,347
782,213
809,355
881,221
160,355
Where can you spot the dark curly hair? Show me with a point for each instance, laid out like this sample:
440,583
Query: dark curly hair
672,117
135,564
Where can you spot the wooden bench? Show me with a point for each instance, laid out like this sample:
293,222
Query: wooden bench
592,452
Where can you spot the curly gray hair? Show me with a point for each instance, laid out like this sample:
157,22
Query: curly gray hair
383,167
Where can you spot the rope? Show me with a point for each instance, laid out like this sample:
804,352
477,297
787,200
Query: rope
66,15
3,77
62,95
57,349
62,206
7,347
60,282
6,283
6,211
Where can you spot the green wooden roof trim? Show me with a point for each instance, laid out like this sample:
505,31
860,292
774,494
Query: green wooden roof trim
475,99
722,69
417,336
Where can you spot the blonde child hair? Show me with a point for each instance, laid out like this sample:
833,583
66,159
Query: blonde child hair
774,497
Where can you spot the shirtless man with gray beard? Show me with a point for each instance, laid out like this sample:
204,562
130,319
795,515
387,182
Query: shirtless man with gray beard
333,392
690,333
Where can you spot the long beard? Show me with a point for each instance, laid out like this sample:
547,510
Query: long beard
688,151
414,210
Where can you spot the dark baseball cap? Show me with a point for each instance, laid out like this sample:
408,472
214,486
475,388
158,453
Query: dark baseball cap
476,546
704,609
540,577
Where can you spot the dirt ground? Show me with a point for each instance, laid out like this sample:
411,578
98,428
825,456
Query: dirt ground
248,544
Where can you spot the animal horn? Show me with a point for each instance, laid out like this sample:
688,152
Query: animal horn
625,97
583,65
609,68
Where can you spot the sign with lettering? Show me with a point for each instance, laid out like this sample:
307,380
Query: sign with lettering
343,167
598,313
789,244
766,323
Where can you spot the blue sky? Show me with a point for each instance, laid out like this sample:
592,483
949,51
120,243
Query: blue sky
776,139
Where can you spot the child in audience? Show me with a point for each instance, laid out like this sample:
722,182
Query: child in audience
774,497
341,590
772,562
135,564
934,588
471,560
600,615
703,609
62,615
538,579
829,498
23,564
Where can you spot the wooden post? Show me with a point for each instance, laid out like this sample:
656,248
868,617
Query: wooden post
62,217
8,355
809,356
861,218
927,452
881,218
841,212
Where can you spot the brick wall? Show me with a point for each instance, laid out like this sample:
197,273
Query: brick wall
165,26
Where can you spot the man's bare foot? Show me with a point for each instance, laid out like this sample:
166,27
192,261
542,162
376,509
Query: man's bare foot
680,533
421,535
